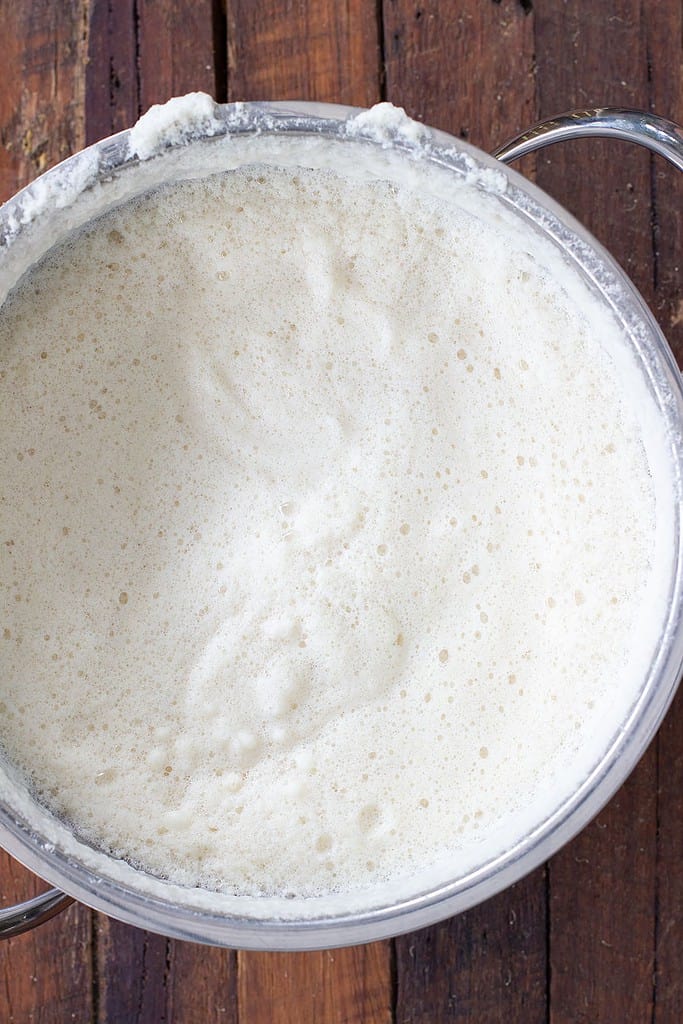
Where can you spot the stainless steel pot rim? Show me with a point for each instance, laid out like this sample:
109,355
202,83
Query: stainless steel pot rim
105,161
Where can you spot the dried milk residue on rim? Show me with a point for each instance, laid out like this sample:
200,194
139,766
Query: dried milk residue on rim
174,122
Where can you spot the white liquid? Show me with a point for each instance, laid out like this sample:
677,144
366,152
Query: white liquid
327,531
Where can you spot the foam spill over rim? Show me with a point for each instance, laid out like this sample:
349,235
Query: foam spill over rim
182,120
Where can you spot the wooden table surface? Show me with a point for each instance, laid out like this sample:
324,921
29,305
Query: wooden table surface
596,935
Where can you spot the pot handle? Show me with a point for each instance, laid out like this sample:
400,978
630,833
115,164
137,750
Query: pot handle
27,915
655,133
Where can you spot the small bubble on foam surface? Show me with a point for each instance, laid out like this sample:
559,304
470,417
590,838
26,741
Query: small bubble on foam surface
316,535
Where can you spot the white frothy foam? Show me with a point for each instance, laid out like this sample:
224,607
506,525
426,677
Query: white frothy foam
328,527
172,123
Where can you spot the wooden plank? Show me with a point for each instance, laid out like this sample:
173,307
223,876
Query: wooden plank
669,920
329,52
486,965
320,50
589,57
469,68
112,94
602,893
665,52
181,48
343,986
602,887
41,90
143,53
144,978
665,40
203,984
45,974
133,969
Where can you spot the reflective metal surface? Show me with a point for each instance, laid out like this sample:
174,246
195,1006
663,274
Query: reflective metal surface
655,133
24,916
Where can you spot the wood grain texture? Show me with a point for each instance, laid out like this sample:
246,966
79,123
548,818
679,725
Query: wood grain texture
664,42
144,978
46,974
591,55
469,68
664,39
181,48
112,96
602,886
145,51
328,52
486,965
342,986
133,969
668,1007
466,67
319,50
602,895
41,93
203,984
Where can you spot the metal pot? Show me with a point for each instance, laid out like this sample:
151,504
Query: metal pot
108,172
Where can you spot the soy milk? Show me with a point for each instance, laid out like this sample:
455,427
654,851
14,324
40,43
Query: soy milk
328,528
